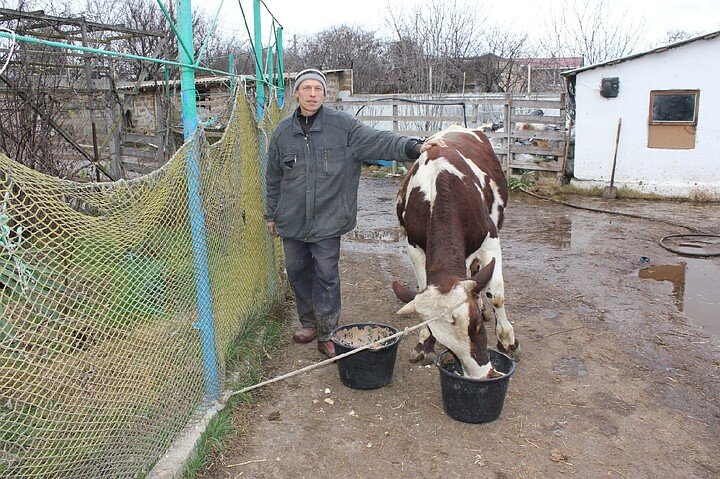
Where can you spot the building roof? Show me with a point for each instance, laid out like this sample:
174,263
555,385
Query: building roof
707,36
210,80
152,84
551,63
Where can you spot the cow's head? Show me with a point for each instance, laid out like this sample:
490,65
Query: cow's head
460,325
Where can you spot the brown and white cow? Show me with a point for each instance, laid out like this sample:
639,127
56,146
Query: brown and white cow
450,208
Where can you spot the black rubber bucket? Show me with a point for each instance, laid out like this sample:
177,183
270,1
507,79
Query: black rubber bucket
473,400
370,368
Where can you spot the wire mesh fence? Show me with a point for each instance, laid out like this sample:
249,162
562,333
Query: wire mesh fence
101,361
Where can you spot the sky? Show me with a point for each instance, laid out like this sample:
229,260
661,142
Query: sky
311,16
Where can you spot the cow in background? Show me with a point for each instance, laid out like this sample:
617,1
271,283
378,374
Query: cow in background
450,207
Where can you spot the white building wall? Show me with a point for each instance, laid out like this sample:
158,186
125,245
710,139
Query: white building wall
683,173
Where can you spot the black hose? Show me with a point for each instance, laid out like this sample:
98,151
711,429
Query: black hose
689,253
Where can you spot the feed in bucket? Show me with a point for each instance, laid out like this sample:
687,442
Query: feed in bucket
473,400
371,368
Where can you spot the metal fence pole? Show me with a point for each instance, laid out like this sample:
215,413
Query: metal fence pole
259,77
205,322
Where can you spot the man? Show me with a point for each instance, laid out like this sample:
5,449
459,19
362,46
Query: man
313,172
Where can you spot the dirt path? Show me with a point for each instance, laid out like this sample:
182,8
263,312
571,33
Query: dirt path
614,382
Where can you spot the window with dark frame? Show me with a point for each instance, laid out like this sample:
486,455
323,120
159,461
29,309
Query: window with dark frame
674,107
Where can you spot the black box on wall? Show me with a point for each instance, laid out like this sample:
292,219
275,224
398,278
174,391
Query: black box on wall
610,87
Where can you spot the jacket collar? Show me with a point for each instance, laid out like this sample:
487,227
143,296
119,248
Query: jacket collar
317,122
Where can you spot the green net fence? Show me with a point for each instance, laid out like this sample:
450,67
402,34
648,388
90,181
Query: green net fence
101,360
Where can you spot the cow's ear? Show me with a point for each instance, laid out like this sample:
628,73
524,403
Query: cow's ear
407,309
482,277
468,285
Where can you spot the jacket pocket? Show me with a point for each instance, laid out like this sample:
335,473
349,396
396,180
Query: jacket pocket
291,168
290,211
333,161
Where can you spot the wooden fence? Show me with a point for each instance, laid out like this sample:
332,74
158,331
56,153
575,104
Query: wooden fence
142,154
526,134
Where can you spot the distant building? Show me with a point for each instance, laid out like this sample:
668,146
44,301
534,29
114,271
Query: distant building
545,74
491,73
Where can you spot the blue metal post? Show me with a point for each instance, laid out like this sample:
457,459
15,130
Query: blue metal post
270,71
231,70
281,68
197,216
259,79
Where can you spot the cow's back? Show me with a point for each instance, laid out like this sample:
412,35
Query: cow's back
483,185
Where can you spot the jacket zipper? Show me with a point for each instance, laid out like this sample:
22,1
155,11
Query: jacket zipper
307,146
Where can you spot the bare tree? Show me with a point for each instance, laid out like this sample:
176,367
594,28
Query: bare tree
674,36
595,30
50,99
402,68
431,41
497,70
146,15
31,108
344,46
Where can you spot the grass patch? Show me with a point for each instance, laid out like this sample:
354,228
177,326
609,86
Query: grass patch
377,171
211,442
524,181
622,192
257,341
574,190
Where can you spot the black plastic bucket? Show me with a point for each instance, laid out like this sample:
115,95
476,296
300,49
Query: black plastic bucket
473,400
370,368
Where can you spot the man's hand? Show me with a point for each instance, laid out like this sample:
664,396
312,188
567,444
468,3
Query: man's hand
271,228
429,143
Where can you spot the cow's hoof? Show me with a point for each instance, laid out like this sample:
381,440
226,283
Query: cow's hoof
416,357
423,359
513,351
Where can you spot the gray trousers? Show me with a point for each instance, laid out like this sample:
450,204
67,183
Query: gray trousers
314,275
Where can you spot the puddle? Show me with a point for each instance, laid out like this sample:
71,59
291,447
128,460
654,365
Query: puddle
575,231
388,235
374,241
695,289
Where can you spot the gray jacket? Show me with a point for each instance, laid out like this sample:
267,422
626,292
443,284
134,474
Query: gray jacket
312,181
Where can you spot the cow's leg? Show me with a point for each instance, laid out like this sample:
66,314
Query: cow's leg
424,351
495,292
488,313
473,266
417,259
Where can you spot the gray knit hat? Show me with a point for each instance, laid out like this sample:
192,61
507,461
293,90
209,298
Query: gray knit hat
310,74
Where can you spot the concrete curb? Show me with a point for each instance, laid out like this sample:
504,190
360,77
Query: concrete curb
172,464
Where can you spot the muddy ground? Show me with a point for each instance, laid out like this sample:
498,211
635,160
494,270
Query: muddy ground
615,381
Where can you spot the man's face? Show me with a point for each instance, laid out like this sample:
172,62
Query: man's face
310,94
